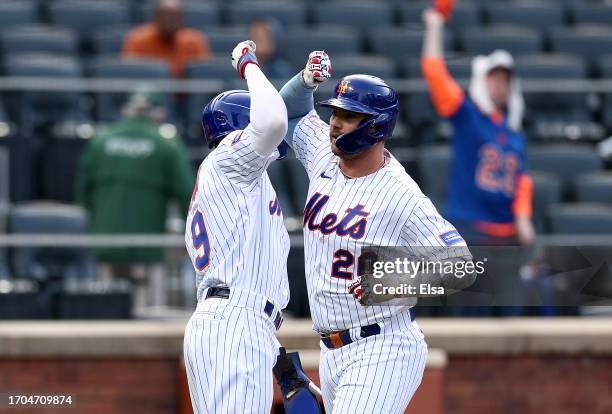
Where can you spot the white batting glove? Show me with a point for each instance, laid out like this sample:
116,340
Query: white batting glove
357,291
318,69
242,55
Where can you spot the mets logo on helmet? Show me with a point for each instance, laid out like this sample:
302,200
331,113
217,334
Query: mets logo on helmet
343,87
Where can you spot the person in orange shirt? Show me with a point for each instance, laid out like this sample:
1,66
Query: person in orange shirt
167,39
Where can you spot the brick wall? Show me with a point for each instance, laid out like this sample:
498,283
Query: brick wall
99,386
528,384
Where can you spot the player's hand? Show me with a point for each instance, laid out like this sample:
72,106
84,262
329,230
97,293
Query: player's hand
318,69
444,7
357,291
433,18
242,55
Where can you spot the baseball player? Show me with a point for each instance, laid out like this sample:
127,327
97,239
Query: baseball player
238,245
372,358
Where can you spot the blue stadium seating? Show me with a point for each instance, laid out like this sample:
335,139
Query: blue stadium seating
595,188
109,105
580,218
88,17
515,39
17,13
39,108
588,41
44,263
287,13
434,168
196,13
534,14
218,68
110,41
544,108
546,191
223,39
465,14
357,14
374,65
592,12
299,42
604,68
402,44
40,38
565,161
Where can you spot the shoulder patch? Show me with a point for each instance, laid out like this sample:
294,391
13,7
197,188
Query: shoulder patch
451,237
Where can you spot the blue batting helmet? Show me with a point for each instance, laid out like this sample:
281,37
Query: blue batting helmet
227,112
369,95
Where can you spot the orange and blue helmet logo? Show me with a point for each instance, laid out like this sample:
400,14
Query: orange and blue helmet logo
342,87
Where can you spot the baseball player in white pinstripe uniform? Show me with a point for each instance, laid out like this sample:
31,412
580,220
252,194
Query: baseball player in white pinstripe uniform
372,358
238,245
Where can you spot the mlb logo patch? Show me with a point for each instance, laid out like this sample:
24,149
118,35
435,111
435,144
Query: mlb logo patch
451,237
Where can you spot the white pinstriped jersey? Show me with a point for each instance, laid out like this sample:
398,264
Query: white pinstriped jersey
235,234
385,208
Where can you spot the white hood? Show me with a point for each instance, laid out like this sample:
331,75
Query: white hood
481,66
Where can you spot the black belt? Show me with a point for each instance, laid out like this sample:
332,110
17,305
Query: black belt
338,339
224,293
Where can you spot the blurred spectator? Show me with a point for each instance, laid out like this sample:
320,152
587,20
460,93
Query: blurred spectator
490,193
266,35
167,39
127,178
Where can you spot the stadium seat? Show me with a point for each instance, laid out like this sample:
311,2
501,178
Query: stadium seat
465,13
591,12
535,14
374,65
588,41
288,13
515,39
17,13
37,109
88,17
40,38
223,39
299,183
357,14
605,71
109,41
594,187
108,105
218,68
299,42
566,161
580,218
196,13
59,167
546,192
44,263
434,163
4,207
277,172
402,44
421,117
547,109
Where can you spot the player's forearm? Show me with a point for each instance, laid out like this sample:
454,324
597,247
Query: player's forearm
268,114
298,97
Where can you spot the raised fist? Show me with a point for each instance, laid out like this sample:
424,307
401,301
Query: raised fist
444,7
242,55
318,69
